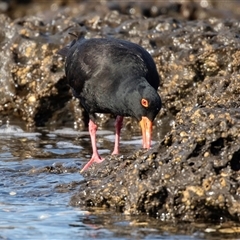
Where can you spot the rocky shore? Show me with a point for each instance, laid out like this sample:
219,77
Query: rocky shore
194,172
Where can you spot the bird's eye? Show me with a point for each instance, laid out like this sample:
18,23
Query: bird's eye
144,102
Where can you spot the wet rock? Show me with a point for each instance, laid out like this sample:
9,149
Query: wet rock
33,83
186,53
193,173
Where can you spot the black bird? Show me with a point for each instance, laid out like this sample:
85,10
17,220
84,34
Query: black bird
113,76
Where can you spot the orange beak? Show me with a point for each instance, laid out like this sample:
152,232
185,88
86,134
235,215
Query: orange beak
146,126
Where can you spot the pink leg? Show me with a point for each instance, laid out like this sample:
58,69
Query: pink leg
95,156
118,126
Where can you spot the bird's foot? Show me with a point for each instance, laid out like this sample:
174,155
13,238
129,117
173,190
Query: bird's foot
95,158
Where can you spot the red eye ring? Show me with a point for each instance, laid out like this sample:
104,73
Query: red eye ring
144,102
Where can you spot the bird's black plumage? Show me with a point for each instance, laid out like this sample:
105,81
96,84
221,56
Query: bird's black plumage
113,76
106,74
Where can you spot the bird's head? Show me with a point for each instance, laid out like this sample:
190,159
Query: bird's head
145,104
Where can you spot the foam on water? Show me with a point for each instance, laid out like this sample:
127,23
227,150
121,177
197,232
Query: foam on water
62,144
67,132
72,132
16,131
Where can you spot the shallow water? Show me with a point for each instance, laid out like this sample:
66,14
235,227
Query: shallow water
39,172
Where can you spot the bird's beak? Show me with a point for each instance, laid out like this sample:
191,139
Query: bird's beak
146,126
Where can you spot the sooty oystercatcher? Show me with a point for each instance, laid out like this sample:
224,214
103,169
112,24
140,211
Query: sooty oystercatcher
113,76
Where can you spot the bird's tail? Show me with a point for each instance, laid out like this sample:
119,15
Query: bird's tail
78,33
